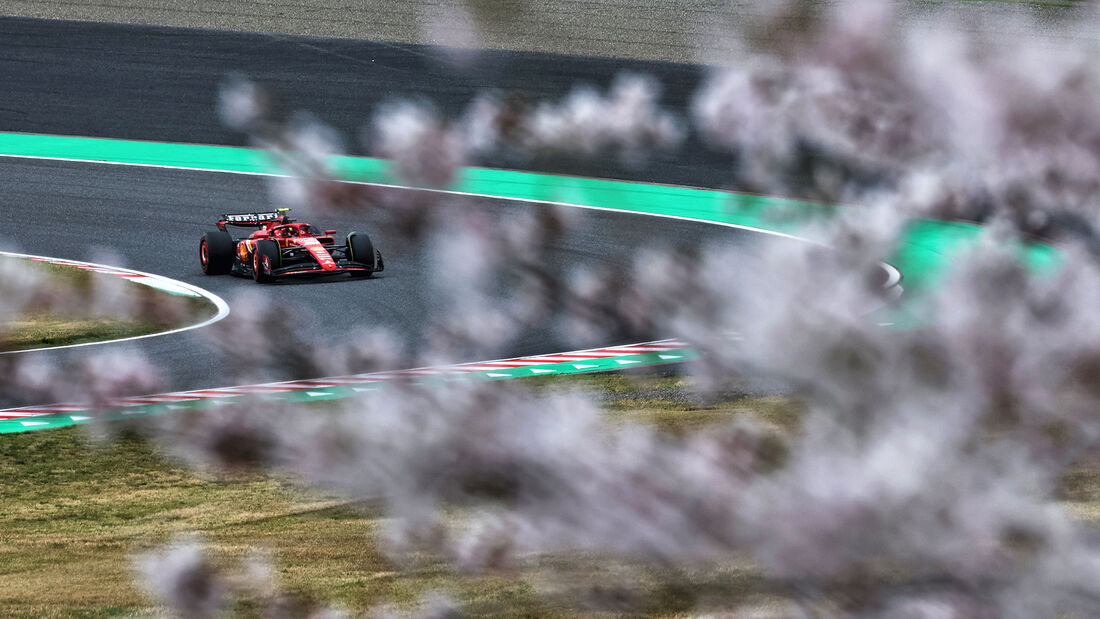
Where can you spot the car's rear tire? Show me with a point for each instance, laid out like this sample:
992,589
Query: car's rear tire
361,250
265,258
216,252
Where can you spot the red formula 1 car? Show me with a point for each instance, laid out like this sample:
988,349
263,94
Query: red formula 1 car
281,247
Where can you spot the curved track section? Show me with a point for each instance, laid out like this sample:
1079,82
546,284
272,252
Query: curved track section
152,218
82,79
164,284
160,84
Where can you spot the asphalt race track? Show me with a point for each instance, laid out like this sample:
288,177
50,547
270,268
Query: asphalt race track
151,219
161,84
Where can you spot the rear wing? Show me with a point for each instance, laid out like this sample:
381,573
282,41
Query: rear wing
255,220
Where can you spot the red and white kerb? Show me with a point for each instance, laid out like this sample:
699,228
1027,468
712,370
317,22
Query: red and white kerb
580,360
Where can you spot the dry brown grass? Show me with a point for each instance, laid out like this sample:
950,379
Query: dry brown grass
74,515
45,325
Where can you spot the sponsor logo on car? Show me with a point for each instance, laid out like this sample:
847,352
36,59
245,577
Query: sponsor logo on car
250,217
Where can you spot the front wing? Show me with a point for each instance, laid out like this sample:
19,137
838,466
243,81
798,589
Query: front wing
296,263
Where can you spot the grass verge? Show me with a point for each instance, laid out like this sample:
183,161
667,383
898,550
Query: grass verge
74,515
63,315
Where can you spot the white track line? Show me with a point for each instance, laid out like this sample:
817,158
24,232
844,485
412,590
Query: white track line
451,192
894,277
136,277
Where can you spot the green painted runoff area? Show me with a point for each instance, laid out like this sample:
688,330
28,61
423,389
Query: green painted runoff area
321,394
924,255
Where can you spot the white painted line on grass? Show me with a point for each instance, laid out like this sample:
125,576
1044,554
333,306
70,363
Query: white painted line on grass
138,277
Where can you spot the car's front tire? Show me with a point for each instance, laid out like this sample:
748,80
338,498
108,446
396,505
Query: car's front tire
216,252
266,258
361,250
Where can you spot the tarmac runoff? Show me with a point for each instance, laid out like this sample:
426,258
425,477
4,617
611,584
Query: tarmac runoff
925,254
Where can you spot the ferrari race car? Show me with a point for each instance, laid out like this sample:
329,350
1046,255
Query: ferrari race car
281,247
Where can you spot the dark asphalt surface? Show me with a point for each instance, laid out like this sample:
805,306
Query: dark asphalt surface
152,219
159,83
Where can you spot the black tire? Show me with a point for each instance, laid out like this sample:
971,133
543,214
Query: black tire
361,250
266,257
216,252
